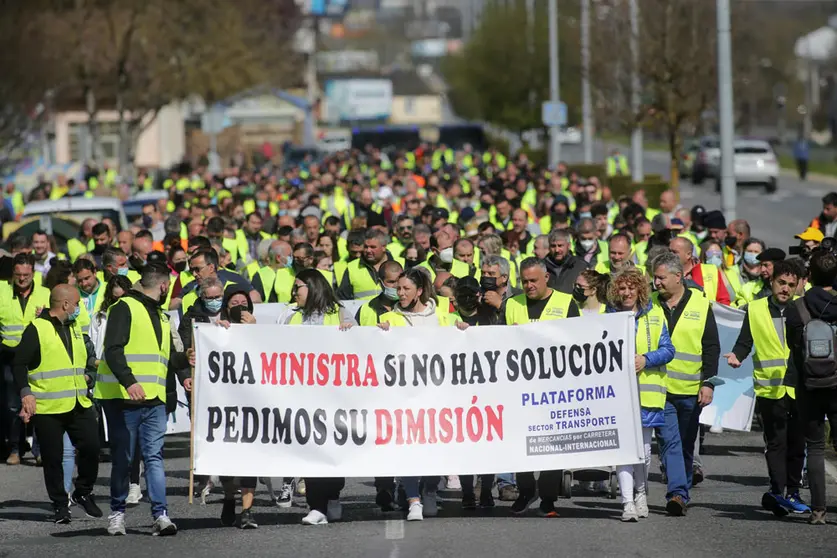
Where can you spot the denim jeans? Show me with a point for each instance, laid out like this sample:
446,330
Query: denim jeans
69,463
671,454
688,420
411,485
126,425
505,479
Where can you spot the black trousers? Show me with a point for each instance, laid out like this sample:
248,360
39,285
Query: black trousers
784,440
547,486
318,491
802,168
467,482
82,427
814,406
135,464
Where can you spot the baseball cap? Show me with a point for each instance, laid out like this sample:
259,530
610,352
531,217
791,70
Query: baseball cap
466,285
811,233
676,224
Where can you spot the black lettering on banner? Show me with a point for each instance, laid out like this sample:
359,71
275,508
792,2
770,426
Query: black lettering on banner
230,432
390,374
559,365
437,369
319,427
512,368
214,368
493,357
266,426
599,358
281,426
213,423
575,367
358,438
341,429
587,370
527,363
616,348
457,368
477,376
544,374
302,427
247,371
229,367
419,370
249,425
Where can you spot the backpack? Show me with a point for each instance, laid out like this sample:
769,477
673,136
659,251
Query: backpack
818,347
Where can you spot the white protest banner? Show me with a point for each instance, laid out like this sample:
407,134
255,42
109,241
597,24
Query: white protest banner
734,401
273,400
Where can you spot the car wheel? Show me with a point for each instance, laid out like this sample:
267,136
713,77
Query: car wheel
771,186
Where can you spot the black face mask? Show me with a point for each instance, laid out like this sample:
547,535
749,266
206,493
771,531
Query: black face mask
468,302
179,267
136,262
409,264
730,241
488,283
99,248
578,294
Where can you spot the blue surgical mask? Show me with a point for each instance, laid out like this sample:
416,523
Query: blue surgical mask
122,271
714,258
751,259
213,305
585,215
391,293
289,263
261,204
72,317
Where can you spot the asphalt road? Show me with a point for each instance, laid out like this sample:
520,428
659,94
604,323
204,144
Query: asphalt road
775,218
724,520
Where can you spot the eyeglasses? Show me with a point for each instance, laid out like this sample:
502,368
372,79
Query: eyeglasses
219,297
196,270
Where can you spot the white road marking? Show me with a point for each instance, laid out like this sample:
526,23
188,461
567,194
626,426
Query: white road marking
394,530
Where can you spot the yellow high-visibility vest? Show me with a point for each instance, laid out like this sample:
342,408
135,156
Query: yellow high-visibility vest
683,373
652,381
517,312
13,320
770,351
58,382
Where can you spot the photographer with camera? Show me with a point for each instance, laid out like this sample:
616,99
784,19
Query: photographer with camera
812,367
809,241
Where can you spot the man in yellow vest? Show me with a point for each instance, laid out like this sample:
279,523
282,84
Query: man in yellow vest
694,333
84,242
763,334
705,276
617,164
370,313
90,288
131,384
538,303
49,371
18,307
362,281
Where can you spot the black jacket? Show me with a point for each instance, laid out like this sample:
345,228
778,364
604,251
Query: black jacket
118,334
562,276
822,304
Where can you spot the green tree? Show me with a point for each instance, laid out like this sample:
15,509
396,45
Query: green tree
501,76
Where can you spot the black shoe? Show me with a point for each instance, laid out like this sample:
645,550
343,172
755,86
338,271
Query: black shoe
772,503
88,505
547,509
469,502
487,501
246,521
228,513
62,516
384,500
403,503
522,503
697,476
676,507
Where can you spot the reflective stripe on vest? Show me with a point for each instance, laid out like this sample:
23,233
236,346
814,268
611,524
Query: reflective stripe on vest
683,373
364,285
13,320
770,351
517,312
58,382
147,359
652,381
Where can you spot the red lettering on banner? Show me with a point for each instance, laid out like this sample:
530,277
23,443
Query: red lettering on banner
339,359
322,369
431,419
297,368
283,376
383,425
311,368
399,433
352,374
445,427
269,369
371,377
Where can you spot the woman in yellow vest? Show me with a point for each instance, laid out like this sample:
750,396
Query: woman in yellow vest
629,292
316,304
711,253
590,292
417,308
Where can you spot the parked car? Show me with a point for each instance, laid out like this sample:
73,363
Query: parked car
755,162
706,160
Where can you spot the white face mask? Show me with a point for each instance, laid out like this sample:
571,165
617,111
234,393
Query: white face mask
446,255
587,244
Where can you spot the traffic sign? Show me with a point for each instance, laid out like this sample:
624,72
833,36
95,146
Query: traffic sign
554,114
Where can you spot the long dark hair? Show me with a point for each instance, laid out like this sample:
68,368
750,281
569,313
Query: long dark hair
108,299
421,279
335,253
321,298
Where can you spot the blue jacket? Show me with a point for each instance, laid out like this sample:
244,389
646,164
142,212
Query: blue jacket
652,418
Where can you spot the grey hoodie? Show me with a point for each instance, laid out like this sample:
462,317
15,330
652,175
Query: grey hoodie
427,317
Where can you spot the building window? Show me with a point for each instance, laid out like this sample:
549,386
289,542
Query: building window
108,141
409,105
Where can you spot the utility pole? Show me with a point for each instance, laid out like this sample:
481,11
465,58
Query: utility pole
725,116
586,101
311,78
637,171
554,93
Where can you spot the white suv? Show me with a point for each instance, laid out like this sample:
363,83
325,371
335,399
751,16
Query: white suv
754,163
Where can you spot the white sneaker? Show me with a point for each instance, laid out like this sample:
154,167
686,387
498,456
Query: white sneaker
334,510
163,527
629,512
116,523
641,502
717,429
315,518
134,495
416,512
453,483
430,507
